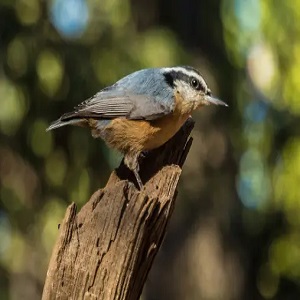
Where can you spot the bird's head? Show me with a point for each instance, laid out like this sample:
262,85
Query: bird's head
190,86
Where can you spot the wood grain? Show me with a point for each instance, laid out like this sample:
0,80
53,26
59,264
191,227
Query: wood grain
106,250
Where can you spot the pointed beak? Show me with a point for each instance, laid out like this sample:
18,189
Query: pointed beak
209,100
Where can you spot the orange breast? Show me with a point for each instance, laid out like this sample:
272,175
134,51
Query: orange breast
136,135
168,126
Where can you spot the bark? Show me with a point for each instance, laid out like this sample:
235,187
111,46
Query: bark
106,250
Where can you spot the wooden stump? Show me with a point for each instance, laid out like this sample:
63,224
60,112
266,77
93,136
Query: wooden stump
106,250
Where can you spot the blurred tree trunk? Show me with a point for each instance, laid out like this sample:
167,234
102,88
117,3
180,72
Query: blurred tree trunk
107,249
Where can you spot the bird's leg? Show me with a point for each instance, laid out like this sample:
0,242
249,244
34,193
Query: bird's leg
131,161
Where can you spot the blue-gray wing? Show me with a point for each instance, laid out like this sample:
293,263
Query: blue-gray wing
141,95
115,104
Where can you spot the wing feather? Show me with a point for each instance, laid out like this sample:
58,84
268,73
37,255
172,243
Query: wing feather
120,103
142,95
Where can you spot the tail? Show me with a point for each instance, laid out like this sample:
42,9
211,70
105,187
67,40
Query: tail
59,123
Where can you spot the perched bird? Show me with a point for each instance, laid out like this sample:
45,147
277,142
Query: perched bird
141,111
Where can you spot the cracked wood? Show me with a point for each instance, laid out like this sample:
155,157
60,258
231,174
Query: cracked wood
106,250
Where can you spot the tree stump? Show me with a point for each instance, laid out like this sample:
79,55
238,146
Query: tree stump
106,250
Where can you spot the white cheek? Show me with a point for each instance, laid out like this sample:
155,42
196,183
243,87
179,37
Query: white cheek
187,92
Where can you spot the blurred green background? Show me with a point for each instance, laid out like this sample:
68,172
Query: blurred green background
235,230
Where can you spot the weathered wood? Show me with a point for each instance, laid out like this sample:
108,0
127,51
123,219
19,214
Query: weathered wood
106,250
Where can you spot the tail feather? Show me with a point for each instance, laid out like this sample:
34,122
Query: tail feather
59,123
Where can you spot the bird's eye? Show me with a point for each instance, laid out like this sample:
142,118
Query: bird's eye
195,84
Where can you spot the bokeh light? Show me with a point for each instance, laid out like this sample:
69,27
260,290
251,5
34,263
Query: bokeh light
28,11
5,233
13,107
70,17
50,71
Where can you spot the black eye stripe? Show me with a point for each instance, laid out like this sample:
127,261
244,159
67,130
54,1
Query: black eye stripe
169,79
171,76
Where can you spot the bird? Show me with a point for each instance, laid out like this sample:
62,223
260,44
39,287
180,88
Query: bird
141,111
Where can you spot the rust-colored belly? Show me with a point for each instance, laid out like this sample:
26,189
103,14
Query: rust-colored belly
137,135
168,127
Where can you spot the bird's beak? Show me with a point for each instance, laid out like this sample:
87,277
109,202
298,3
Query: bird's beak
209,100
